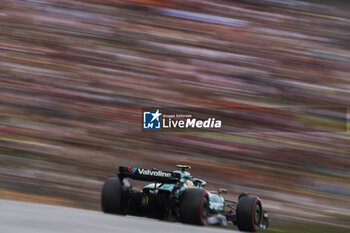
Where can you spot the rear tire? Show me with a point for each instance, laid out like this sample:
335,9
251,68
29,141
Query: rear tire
249,213
112,196
194,206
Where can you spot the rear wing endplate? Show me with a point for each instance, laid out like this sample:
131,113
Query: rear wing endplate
150,175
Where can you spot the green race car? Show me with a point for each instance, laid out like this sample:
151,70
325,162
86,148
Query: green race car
177,196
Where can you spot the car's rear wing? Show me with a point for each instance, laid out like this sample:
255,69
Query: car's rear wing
151,175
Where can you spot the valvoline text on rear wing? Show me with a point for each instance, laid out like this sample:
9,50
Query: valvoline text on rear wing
149,175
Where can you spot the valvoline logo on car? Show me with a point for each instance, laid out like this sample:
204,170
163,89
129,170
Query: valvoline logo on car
132,170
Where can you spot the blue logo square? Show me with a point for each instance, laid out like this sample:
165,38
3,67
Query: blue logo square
151,120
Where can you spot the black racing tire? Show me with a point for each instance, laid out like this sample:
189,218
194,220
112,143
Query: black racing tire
112,196
194,206
242,195
249,213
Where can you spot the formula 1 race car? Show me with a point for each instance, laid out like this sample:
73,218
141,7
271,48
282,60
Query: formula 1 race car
177,196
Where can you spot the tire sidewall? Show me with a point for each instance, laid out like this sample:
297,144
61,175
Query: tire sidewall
246,213
112,196
191,206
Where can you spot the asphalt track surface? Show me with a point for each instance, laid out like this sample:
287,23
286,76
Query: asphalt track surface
22,217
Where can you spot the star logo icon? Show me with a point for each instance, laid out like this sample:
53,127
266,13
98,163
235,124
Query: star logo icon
152,119
156,115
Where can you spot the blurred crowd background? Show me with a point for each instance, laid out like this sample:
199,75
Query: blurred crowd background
74,76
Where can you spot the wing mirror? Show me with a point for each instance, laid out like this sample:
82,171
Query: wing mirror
199,182
222,191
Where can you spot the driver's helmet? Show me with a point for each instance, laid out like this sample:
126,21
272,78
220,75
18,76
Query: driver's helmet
189,184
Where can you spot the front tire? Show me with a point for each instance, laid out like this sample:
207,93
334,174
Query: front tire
249,213
194,206
112,196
